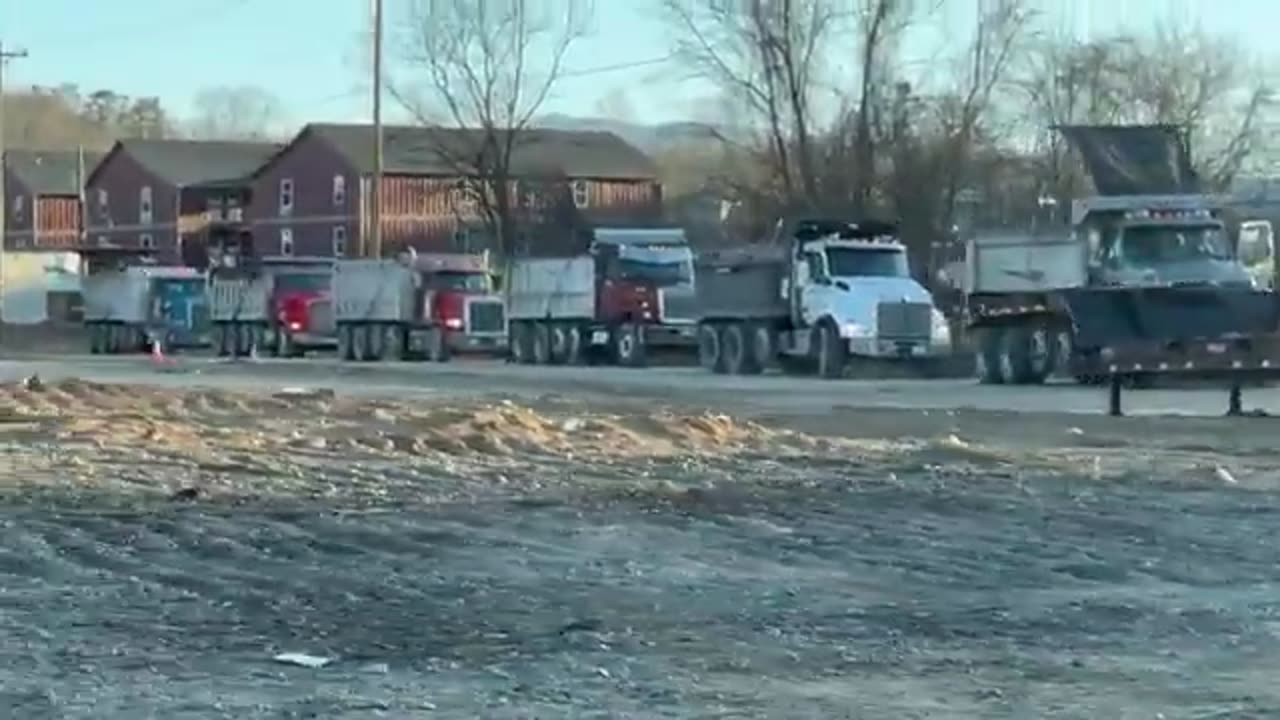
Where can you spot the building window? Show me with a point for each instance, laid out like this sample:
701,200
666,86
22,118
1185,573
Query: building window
286,196
581,198
146,242
19,208
339,191
286,242
144,205
339,240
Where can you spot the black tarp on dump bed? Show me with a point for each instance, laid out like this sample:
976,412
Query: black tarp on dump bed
1135,159
1168,314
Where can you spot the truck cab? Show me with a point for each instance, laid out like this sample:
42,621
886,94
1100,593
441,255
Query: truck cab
1144,242
857,278
645,276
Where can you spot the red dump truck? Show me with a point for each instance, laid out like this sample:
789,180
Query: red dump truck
417,306
631,291
282,305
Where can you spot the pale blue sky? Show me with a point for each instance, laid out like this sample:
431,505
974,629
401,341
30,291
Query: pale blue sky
306,52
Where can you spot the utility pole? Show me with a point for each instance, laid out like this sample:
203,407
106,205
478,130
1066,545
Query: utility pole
375,195
5,56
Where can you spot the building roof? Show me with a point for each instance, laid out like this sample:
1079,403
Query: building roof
199,162
411,150
51,172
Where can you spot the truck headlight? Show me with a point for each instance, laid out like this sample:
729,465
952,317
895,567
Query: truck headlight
852,331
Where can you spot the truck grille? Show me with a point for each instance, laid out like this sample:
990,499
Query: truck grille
486,316
320,317
904,321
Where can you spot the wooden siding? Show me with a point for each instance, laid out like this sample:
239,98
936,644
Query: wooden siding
119,221
425,212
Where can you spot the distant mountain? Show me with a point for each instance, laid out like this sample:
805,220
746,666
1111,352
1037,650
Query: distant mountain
649,138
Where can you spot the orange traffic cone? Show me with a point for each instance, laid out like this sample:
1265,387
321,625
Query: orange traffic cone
157,353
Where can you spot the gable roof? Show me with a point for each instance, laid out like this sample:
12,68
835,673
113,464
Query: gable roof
409,150
51,172
197,162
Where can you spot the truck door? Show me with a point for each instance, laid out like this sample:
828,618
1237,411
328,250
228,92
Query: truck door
810,274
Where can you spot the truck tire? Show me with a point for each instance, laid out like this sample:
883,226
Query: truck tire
574,354
374,341
739,355
360,342
95,339
832,353
346,348
244,339
113,339
393,343
285,347
763,345
1015,362
710,355
542,343
559,342
220,339
437,349
987,356
1038,342
1062,350
520,342
628,345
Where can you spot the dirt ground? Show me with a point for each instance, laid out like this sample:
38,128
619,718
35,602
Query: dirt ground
509,557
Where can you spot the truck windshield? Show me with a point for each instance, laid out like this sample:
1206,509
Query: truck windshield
1155,244
464,281
662,267
866,262
303,283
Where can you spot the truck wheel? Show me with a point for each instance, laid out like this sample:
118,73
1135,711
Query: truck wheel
1038,343
95,338
739,357
244,339
521,349
220,339
628,345
833,353
986,356
710,356
285,348
359,343
559,342
1062,350
393,343
1015,360
542,343
345,345
374,336
573,354
113,339
762,346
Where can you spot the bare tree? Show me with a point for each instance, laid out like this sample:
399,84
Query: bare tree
237,113
765,54
479,73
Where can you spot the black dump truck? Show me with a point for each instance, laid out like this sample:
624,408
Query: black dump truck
1144,281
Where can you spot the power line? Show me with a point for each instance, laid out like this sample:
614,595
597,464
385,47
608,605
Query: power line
5,57
619,66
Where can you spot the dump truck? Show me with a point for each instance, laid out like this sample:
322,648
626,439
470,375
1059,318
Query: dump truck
1143,282
131,303
418,306
821,296
632,290
282,305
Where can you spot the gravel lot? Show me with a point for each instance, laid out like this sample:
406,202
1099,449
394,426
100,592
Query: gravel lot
473,542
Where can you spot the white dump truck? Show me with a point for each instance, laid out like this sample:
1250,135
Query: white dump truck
631,291
822,294
131,303
417,306
282,305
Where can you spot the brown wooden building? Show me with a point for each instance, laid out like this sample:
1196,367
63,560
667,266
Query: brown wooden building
312,198
42,197
173,196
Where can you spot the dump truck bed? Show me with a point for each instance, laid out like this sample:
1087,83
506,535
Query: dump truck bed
746,282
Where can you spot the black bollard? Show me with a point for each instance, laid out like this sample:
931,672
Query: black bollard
1114,407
